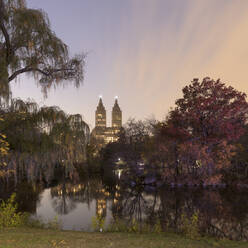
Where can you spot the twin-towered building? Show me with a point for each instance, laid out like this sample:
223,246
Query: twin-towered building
101,132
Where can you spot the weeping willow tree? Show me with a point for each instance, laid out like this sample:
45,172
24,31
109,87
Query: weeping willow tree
38,138
41,139
28,45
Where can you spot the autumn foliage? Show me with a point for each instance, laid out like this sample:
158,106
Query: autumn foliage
200,133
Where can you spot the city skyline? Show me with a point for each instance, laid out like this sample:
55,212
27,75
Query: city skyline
144,52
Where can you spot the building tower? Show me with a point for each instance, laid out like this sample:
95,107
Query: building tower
116,115
100,116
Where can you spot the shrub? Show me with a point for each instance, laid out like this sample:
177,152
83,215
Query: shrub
189,226
34,222
157,228
133,226
117,225
9,217
54,224
98,223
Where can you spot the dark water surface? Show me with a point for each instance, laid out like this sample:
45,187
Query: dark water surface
221,212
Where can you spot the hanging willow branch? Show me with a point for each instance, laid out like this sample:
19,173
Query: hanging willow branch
28,45
40,138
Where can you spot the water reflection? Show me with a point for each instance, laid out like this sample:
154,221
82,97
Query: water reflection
222,212
65,196
61,200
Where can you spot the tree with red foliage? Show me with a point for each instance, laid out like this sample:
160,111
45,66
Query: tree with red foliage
211,111
208,119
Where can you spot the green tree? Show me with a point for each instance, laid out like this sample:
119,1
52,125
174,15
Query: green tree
28,45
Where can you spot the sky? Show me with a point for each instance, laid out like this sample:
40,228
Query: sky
144,52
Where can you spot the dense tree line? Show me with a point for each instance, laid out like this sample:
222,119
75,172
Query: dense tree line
42,138
203,140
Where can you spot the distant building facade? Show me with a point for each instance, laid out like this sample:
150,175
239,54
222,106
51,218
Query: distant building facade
101,132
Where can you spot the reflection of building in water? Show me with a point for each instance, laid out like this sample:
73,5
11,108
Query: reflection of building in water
101,132
101,202
101,208
67,189
117,203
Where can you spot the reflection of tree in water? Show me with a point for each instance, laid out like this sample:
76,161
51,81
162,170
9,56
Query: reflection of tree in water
173,204
27,195
221,213
230,218
131,203
66,195
216,215
62,202
134,205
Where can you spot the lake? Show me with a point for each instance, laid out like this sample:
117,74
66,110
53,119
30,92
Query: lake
221,212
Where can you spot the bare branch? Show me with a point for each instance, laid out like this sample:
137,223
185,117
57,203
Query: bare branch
29,69
26,69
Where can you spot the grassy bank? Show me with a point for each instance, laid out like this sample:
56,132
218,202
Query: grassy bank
39,238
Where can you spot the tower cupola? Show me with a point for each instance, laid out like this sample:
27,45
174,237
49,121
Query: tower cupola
116,115
100,117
